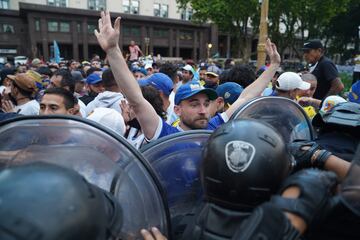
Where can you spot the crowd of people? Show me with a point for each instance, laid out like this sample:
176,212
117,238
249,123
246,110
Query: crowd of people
143,101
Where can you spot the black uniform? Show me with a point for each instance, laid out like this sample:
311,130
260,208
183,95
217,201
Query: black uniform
325,72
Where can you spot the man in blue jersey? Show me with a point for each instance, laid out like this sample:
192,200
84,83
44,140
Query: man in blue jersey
192,101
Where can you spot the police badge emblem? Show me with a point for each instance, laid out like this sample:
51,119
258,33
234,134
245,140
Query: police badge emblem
239,155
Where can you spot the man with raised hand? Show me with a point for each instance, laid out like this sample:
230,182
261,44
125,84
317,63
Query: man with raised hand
192,106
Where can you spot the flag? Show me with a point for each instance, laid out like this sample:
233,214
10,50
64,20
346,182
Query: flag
56,52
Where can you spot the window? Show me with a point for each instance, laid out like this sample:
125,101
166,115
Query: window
7,28
78,27
57,3
161,10
98,5
164,10
37,25
156,9
161,33
91,27
186,14
132,31
186,35
64,27
53,26
131,6
4,4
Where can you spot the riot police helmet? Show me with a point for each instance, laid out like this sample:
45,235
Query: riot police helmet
244,162
46,201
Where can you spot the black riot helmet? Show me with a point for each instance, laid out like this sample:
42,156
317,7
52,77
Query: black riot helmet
43,201
244,162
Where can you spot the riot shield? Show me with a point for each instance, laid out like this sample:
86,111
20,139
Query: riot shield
350,188
283,114
176,160
100,155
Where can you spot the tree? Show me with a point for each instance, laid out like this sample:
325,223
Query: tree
343,31
232,16
300,20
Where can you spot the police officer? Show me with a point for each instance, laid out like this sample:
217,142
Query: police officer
342,221
244,163
339,129
42,201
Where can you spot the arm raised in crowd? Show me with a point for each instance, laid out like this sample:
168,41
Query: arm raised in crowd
108,38
257,87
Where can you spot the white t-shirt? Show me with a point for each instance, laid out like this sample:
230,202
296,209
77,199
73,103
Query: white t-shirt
29,108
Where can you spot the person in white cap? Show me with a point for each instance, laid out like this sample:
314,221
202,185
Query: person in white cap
289,85
149,69
109,118
187,73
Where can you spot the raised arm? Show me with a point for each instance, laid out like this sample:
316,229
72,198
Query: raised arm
108,38
258,86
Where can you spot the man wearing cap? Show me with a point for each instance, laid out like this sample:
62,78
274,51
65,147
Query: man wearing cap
212,77
149,69
79,83
110,98
227,93
289,85
202,74
23,89
192,101
187,73
35,63
94,86
323,68
139,72
164,85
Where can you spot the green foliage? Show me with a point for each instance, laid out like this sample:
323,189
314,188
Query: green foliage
303,19
347,80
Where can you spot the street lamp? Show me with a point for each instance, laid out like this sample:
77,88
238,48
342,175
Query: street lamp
208,50
147,41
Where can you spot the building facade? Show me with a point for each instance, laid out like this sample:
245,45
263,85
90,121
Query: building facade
30,27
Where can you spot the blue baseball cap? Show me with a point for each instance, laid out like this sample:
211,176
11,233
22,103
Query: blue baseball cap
192,88
160,81
139,69
354,93
93,79
229,91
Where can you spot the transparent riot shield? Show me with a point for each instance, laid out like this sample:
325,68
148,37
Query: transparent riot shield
100,155
283,114
350,188
176,160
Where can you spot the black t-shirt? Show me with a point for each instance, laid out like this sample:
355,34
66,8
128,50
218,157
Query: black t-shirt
325,72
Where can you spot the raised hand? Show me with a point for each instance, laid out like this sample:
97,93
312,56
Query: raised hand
126,111
272,52
108,36
7,106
